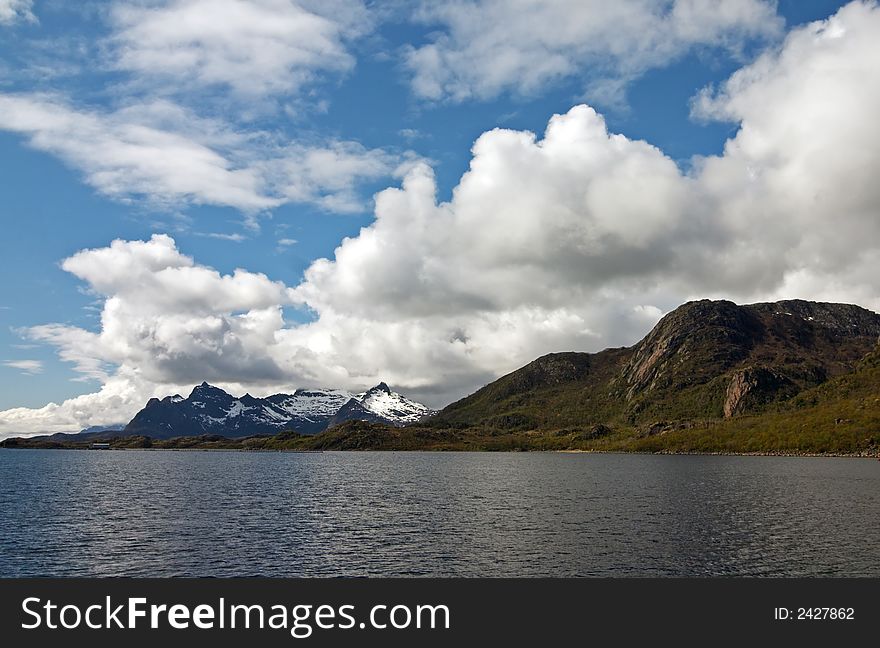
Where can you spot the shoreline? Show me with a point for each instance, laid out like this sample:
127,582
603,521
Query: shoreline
726,453
851,455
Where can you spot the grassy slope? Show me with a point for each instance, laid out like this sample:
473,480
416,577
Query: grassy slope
841,416
680,372
663,395
556,391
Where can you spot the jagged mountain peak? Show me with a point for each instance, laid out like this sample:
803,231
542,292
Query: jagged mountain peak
384,404
206,390
381,387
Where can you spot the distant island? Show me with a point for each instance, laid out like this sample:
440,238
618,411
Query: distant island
789,377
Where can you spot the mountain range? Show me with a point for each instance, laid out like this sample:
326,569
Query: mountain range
209,410
712,376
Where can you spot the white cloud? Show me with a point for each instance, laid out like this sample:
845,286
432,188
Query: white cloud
529,216
486,47
14,10
283,244
253,47
112,404
577,240
156,275
183,60
168,319
141,146
327,176
29,367
234,238
169,156
797,178
126,154
166,323
410,134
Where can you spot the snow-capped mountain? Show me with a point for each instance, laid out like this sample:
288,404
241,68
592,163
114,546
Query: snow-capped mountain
382,405
311,402
210,410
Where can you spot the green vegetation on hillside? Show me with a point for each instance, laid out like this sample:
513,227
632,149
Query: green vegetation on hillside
789,377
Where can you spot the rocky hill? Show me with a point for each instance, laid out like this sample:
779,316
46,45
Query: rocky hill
705,360
790,377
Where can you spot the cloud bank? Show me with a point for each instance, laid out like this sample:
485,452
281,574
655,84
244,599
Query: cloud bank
578,239
168,155
486,47
250,47
192,78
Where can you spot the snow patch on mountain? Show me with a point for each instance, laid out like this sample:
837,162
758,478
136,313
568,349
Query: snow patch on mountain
210,410
390,405
236,409
311,403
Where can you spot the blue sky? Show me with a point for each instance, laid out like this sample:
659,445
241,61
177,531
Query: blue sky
361,84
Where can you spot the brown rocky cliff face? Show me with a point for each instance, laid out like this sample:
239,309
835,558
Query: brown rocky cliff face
704,360
755,386
743,357
740,385
691,343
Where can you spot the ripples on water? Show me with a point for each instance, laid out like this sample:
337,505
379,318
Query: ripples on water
67,513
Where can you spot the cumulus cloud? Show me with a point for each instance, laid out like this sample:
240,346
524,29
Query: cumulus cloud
15,10
112,404
531,221
577,239
251,47
163,312
168,155
486,47
797,176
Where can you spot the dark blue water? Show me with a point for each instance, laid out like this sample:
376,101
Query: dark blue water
115,513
